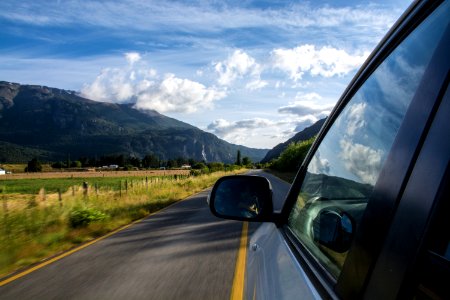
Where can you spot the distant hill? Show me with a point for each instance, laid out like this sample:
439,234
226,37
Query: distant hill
303,135
52,123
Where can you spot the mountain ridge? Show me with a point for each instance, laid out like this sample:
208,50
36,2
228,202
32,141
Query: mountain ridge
55,123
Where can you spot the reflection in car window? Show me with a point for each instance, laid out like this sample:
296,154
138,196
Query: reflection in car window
344,169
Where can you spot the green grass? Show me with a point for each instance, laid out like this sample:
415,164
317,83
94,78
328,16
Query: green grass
43,226
51,185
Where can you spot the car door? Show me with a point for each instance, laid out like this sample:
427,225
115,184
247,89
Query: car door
346,193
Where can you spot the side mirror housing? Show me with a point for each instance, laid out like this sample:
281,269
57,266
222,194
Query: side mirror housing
243,198
334,230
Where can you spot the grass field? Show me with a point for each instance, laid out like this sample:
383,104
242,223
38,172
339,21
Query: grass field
36,223
23,184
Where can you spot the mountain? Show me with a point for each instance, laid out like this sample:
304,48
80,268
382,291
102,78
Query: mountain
52,123
305,134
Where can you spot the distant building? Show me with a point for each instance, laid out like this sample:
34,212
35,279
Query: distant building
186,167
2,172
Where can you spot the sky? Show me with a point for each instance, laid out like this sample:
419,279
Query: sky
251,72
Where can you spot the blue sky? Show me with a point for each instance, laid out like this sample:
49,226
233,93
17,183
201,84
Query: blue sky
252,72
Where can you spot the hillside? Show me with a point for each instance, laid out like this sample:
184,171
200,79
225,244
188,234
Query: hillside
303,135
51,123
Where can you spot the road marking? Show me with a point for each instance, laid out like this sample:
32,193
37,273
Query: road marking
237,291
58,257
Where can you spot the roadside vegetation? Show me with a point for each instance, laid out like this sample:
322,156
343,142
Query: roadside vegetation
42,217
286,165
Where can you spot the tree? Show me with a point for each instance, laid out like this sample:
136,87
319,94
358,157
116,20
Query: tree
58,165
134,161
34,166
172,163
150,161
68,162
246,161
238,158
76,164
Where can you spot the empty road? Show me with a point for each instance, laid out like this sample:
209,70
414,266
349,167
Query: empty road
182,252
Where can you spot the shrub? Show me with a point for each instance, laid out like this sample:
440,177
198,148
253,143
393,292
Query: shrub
34,165
215,166
81,217
195,172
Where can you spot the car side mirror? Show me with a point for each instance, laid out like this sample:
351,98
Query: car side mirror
333,230
241,197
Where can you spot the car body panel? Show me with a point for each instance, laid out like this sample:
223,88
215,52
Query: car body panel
273,271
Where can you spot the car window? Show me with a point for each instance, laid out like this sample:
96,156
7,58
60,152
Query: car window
343,171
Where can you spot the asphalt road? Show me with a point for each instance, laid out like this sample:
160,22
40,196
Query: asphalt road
183,252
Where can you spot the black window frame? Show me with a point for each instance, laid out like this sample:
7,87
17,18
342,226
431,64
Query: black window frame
392,180
424,193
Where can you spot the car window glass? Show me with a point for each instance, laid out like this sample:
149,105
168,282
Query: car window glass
343,171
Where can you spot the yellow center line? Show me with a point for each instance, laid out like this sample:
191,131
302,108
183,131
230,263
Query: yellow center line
237,291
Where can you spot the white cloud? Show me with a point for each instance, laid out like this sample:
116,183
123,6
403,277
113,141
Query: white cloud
112,85
178,95
256,84
239,65
362,161
255,131
326,61
223,127
139,84
132,57
308,104
355,117
319,165
307,109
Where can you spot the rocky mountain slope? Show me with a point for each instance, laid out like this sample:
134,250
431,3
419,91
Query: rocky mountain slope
52,123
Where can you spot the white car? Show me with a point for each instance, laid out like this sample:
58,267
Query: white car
368,215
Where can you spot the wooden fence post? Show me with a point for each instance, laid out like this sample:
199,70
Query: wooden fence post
4,200
60,198
85,189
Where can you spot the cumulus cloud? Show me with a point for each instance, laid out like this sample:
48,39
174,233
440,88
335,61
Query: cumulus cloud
136,83
111,85
326,61
361,160
319,165
223,127
256,131
239,65
355,118
132,57
307,109
177,95
308,104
